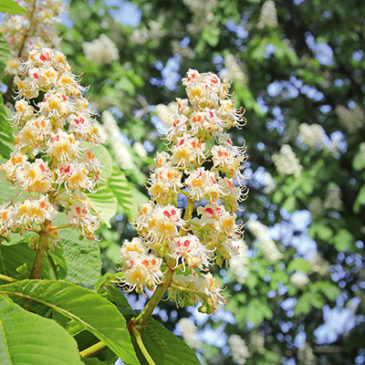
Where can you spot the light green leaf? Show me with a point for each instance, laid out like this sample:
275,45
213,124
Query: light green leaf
359,161
360,200
118,184
164,347
93,312
299,265
80,259
104,203
290,203
303,305
26,338
343,240
4,53
103,155
6,136
10,6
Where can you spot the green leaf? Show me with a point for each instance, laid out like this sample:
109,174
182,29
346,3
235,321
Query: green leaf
299,265
303,305
211,35
331,291
359,161
4,52
290,203
93,312
164,347
103,155
360,200
257,311
104,202
115,295
10,6
118,184
6,136
20,255
26,338
343,240
80,259
138,199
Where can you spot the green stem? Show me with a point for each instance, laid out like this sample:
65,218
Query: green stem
142,347
189,210
192,291
61,226
7,278
92,350
39,256
144,316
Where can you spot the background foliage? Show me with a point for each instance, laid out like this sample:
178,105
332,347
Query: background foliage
305,69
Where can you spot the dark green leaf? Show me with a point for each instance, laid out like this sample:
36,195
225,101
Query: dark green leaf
26,338
93,312
164,347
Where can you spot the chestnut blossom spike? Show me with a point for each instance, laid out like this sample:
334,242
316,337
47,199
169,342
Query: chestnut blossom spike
53,153
140,268
196,189
34,29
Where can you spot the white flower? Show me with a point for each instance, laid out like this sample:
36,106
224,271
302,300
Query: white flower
101,50
238,263
352,119
239,349
286,161
268,15
312,135
267,245
190,249
306,355
140,150
121,152
299,280
140,268
189,331
166,113
333,198
233,71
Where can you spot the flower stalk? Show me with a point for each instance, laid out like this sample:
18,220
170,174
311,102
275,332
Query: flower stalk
40,251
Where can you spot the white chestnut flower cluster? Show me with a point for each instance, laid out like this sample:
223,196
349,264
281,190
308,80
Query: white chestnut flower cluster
238,263
286,162
233,71
239,349
203,167
305,355
268,15
166,113
266,244
153,30
299,280
189,331
114,136
101,50
352,119
36,28
333,199
53,156
203,15
312,135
